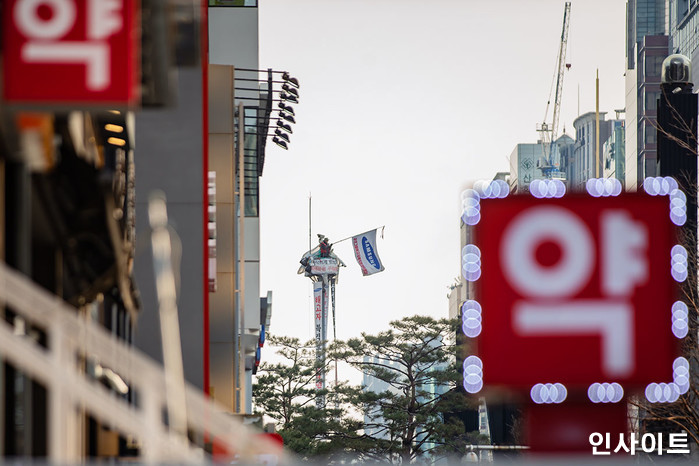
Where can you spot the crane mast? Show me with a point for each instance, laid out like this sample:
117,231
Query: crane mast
549,133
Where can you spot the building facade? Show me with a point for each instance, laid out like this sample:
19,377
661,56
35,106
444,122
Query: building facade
587,159
524,167
75,194
171,137
683,24
212,133
651,56
564,148
613,153
646,47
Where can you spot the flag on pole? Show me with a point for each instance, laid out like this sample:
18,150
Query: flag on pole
365,251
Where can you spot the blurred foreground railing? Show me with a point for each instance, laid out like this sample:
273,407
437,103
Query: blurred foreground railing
72,340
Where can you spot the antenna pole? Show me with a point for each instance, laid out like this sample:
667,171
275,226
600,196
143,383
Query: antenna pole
309,222
350,237
597,159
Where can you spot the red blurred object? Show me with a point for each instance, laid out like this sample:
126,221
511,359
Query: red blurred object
275,437
70,52
221,454
576,290
567,427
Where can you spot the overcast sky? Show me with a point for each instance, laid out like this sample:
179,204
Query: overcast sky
403,104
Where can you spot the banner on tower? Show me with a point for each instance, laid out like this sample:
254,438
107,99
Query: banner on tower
318,309
364,246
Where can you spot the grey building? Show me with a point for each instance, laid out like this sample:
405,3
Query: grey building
651,55
643,18
171,144
646,47
527,159
192,153
564,148
587,158
683,22
524,166
613,152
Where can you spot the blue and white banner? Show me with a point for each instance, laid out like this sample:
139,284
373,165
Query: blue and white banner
365,251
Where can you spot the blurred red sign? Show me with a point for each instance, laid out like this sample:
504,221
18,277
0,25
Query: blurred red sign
576,290
70,51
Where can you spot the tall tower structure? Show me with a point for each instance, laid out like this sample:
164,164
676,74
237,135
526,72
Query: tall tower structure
322,267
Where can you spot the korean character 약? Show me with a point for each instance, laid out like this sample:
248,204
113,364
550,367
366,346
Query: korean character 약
622,444
678,443
596,440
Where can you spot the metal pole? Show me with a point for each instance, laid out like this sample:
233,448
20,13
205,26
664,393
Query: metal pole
310,246
597,160
350,237
241,246
332,296
235,286
324,330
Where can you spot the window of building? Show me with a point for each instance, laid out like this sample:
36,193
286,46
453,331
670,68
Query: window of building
250,173
651,100
650,135
653,64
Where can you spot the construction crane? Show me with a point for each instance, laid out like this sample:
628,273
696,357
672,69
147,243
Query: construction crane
549,132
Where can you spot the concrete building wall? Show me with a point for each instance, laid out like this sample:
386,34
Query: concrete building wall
684,35
222,325
653,51
170,152
233,45
523,166
588,161
233,37
565,150
684,39
631,136
645,18
613,152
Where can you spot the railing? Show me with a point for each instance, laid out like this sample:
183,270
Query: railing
60,367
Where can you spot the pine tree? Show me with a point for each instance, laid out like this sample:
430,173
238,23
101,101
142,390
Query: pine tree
411,415
414,362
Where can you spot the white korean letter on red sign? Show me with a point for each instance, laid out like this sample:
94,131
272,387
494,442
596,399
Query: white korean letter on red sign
69,51
576,290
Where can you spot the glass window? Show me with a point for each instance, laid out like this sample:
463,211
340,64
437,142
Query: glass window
650,135
653,64
652,100
250,173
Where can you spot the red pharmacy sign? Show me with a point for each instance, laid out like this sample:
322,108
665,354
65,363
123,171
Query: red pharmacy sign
70,51
577,290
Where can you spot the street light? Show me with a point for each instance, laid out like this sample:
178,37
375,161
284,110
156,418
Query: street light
290,90
286,117
282,135
280,143
289,98
286,128
287,108
284,94
293,81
